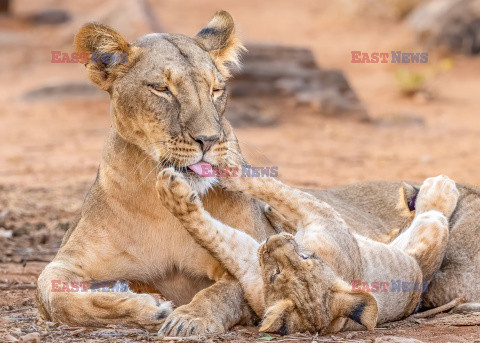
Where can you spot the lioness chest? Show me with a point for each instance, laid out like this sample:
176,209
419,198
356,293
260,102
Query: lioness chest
125,233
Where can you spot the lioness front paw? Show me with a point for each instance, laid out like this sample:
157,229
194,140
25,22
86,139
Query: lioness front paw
182,323
176,194
437,193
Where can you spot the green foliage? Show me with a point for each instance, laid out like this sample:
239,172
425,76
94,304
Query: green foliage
267,337
409,82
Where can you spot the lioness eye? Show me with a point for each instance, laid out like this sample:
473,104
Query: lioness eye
161,89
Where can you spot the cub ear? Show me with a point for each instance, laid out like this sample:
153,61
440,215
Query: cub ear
219,39
109,54
275,319
409,194
360,307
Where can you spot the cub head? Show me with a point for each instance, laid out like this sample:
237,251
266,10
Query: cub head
302,293
168,92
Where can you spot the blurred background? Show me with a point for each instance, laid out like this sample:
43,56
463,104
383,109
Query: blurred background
299,103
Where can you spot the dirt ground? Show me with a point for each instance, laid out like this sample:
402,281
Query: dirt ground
50,149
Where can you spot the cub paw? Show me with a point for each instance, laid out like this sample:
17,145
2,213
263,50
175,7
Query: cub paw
181,323
437,193
278,221
175,192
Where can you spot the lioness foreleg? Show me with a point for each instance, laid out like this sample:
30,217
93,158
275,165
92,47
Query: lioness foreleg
86,307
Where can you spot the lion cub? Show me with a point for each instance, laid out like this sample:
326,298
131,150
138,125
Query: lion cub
318,280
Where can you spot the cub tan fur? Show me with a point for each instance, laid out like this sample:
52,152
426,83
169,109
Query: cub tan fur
303,283
167,104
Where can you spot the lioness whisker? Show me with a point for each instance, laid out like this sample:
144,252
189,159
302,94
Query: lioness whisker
138,166
157,142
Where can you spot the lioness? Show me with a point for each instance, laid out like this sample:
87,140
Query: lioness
167,105
304,282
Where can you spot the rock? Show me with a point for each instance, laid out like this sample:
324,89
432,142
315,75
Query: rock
451,24
400,119
33,337
396,339
62,90
392,10
5,6
280,73
50,17
244,114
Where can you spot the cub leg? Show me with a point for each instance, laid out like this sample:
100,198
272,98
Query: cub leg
279,223
427,237
319,228
236,250
299,209
94,308
441,194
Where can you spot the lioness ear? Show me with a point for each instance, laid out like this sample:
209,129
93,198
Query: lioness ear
361,307
275,319
107,53
219,39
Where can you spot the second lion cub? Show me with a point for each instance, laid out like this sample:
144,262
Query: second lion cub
302,280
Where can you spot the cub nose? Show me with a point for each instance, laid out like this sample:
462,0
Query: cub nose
206,142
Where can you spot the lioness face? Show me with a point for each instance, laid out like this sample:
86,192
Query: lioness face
302,293
169,98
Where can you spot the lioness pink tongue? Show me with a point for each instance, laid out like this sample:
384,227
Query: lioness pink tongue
201,168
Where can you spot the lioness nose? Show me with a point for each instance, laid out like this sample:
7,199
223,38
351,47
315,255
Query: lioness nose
206,142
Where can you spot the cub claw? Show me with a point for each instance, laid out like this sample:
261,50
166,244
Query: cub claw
175,192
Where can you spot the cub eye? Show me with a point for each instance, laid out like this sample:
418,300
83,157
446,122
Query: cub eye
306,257
274,276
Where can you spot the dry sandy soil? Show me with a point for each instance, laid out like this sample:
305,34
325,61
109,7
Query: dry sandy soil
50,150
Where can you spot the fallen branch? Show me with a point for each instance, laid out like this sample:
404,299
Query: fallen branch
199,339
439,309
